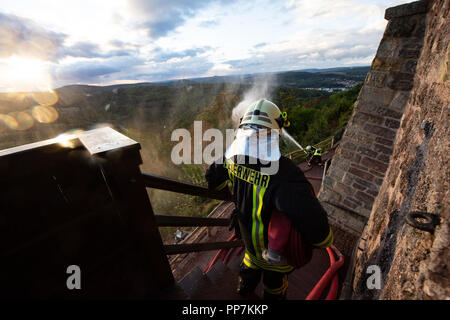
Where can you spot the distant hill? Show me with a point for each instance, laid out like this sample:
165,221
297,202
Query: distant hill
345,77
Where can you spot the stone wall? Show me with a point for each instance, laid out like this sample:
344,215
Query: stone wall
414,264
360,163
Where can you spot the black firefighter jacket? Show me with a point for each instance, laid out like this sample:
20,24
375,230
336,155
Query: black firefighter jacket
256,194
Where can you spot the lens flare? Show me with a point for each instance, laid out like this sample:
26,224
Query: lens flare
23,121
48,98
45,114
9,98
8,121
65,139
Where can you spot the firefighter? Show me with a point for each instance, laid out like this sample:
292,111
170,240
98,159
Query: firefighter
258,191
314,156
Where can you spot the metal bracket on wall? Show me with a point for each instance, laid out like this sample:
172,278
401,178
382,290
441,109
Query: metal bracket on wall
429,223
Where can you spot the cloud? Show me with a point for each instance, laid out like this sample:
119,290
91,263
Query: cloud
208,23
160,17
161,66
176,68
260,45
310,49
330,33
161,55
84,72
96,70
23,37
331,9
90,50
91,63
119,44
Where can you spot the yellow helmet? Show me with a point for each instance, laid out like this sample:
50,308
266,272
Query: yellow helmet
265,114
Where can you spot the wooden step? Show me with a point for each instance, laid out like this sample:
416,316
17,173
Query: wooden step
216,272
221,285
174,293
206,290
190,281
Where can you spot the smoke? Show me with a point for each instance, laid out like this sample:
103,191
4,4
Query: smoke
261,89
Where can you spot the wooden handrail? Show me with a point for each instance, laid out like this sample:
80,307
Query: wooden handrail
180,221
195,247
162,183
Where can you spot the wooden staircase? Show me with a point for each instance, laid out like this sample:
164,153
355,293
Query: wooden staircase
219,283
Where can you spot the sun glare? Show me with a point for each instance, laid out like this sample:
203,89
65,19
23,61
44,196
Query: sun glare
22,74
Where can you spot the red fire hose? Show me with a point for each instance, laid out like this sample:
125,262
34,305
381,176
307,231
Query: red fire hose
216,257
332,293
227,255
316,292
237,253
313,178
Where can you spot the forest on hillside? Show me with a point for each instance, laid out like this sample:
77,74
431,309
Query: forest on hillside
320,117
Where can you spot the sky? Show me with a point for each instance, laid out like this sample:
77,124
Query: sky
45,44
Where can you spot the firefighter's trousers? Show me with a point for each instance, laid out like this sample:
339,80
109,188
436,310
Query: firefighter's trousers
275,283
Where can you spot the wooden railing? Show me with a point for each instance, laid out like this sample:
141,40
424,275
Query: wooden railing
158,182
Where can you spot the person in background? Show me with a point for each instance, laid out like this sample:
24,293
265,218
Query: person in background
314,156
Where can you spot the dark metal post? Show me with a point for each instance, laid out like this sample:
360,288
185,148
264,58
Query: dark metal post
127,186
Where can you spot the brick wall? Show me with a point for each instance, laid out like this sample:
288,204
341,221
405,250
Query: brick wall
360,163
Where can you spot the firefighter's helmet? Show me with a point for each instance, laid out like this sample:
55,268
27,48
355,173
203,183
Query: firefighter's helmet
265,114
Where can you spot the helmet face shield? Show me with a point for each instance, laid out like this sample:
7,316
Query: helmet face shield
260,143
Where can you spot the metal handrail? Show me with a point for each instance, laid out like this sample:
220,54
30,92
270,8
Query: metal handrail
291,154
162,183
196,247
325,167
180,221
